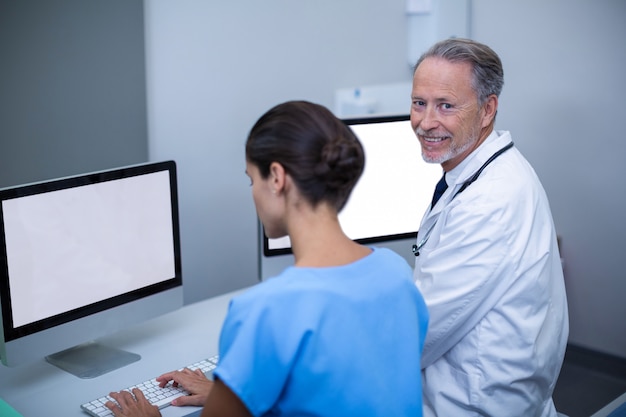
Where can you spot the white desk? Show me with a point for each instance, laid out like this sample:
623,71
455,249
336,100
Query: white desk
165,343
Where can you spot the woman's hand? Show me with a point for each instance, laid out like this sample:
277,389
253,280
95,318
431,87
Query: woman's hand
194,382
132,405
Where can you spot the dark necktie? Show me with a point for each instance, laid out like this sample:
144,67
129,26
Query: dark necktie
439,190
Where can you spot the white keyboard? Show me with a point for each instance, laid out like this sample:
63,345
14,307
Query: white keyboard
161,397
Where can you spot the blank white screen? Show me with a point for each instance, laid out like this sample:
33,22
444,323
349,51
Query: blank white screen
70,248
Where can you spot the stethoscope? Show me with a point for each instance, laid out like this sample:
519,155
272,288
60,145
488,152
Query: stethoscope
420,244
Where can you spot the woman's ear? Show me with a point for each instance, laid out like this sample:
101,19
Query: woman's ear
277,177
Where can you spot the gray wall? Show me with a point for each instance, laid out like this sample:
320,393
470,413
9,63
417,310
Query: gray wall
213,68
72,87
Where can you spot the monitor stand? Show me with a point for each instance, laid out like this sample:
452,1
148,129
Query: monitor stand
91,359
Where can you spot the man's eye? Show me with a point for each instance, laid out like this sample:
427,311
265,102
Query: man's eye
446,106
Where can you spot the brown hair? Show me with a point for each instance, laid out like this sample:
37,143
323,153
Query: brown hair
321,154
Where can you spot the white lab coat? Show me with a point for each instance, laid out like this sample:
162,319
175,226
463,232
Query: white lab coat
491,275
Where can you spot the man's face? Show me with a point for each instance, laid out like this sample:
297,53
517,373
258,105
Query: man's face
445,113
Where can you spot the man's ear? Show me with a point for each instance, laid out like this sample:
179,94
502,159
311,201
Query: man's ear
490,108
277,177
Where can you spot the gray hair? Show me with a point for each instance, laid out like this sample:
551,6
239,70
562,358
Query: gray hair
488,75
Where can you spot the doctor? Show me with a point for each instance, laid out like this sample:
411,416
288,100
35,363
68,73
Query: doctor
487,261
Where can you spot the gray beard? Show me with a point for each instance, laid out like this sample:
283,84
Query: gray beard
452,151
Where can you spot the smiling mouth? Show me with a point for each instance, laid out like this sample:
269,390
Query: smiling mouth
434,139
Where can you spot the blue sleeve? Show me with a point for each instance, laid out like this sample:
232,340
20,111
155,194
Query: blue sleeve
257,351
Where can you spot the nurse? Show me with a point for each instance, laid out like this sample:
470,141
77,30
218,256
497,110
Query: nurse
487,260
339,333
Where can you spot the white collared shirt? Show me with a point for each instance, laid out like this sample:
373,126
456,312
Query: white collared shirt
491,275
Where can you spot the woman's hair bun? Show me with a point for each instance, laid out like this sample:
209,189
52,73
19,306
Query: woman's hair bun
320,152
340,161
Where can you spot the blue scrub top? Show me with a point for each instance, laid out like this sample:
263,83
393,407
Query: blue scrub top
335,341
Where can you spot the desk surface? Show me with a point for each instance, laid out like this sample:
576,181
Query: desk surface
165,343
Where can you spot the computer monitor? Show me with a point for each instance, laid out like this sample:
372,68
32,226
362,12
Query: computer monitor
83,257
387,204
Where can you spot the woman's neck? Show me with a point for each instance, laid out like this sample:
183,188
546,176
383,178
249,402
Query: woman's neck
317,239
